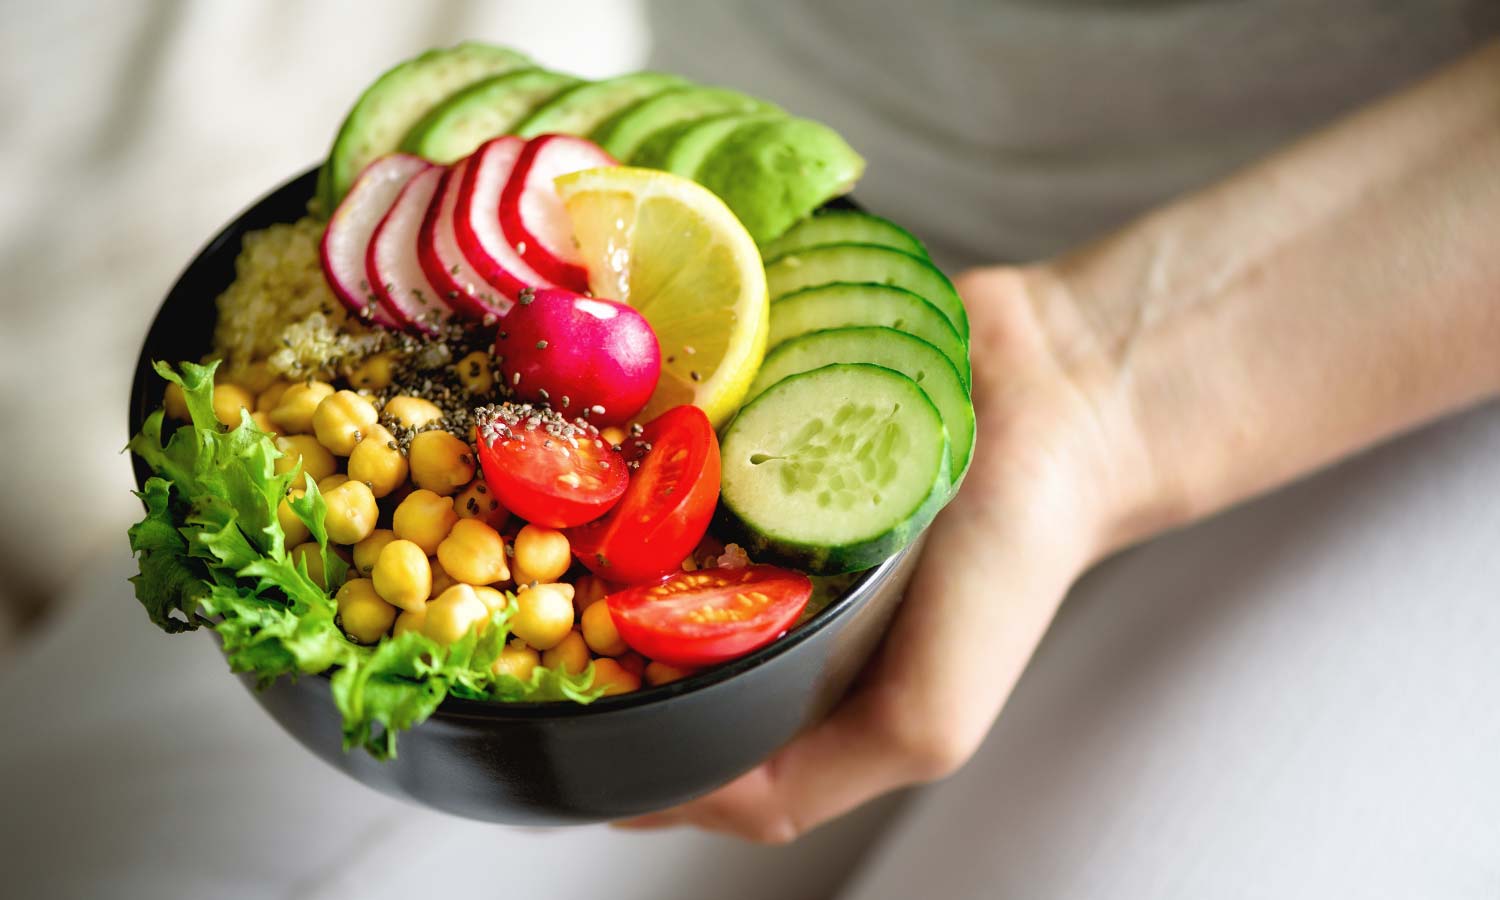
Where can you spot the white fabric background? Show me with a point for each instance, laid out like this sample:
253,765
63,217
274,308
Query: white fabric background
1294,700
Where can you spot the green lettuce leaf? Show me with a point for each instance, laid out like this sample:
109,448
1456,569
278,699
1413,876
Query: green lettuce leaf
212,552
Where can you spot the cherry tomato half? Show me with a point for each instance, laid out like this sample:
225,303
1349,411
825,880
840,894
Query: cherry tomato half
549,471
667,507
709,616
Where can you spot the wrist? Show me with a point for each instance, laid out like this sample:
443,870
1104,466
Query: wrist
1127,489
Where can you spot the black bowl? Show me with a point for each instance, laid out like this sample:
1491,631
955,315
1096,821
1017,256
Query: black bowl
552,763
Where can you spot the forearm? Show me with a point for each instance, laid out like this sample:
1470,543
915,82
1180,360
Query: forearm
1341,291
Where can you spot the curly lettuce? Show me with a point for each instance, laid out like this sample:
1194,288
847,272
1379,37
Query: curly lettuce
212,554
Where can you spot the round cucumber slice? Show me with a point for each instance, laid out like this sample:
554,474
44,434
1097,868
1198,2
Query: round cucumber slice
835,469
398,99
844,226
827,306
867,263
489,108
911,356
581,109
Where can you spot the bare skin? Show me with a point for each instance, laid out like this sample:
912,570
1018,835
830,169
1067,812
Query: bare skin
1340,292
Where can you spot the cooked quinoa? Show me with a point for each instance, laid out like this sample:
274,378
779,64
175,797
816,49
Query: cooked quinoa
278,288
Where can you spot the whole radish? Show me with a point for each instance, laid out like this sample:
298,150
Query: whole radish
584,356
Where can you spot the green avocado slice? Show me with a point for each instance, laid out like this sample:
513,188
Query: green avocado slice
390,106
775,173
581,109
624,132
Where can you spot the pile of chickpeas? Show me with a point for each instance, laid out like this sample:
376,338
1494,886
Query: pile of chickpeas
425,538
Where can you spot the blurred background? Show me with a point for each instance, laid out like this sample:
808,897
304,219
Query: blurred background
1292,700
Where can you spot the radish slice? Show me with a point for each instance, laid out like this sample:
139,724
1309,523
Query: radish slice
532,214
476,219
347,239
458,284
391,263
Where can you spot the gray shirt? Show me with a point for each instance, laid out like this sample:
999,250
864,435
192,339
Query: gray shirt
1012,129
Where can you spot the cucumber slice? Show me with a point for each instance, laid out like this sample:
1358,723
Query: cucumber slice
867,263
582,109
398,99
851,305
624,132
835,469
485,109
681,148
775,173
892,349
844,226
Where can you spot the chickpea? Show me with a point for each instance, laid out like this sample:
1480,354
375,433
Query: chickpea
570,655
412,412
402,575
517,660
351,513
410,620
587,591
425,519
374,372
341,419
175,402
291,524
441,579
614,678
440,462
474,552
270,398
294,413
600,632
317,462
660,673
362,614
377,462
309,554
544,616
332,481
367,551
229,399
613,435
474,373
477,502
453,613
494,600
255,377
264,423
543,553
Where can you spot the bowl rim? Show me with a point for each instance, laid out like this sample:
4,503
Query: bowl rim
461,708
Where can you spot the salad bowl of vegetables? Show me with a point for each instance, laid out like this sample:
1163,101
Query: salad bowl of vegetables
537,487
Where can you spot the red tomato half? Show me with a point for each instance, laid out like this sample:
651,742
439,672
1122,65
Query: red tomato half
549,471
709,616
665,511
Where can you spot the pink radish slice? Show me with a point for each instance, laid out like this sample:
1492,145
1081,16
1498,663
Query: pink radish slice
391,263
476,219
458,284
533,216
350,228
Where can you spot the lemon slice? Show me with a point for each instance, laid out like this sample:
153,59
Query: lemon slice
670,248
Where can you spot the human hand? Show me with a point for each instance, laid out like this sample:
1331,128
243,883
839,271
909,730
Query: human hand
1036,508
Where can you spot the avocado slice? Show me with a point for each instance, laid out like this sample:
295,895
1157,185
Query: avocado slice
581,109
684,146
389,107
485,109
624,132
775,173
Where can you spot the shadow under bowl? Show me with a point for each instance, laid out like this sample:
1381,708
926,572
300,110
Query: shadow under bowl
550,763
